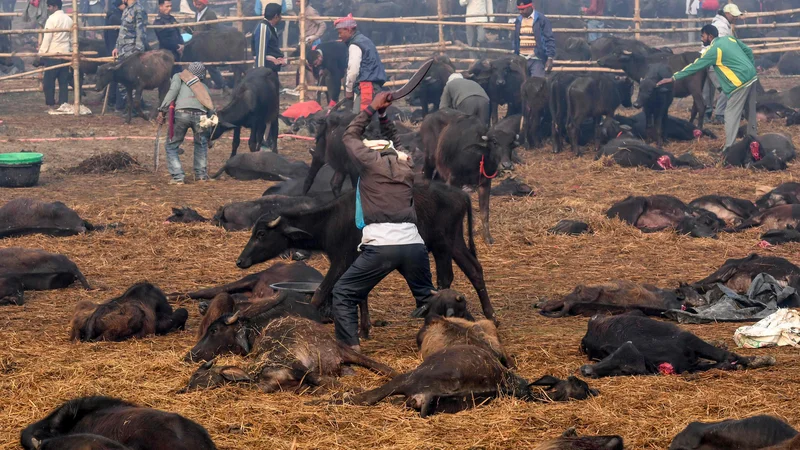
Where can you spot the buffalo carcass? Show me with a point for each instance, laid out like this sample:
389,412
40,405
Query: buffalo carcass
737,274
139,72
535,102
791,444
570,440
615,297
630,152
661,212
430,89
636,64
24,269
80,441
219,44
502,80
637,345
769,151
130,425
675,129
777,217
655,100
511,187
755,432
24,216
784,194
331,229
789,64
729,209
570,227
141,311
777,237
254,104
462,376
320,187
185,214
238,216
290,352
267,166
460,151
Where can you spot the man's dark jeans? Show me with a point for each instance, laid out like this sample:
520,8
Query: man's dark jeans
184,121
372,266
49,83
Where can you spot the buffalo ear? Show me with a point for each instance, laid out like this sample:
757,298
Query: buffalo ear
547,380
208,365
569,432
234,374
241,339
36,443
296,233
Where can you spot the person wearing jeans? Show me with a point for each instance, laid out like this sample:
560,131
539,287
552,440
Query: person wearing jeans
533,39
192,102
60,42
596,9
476,36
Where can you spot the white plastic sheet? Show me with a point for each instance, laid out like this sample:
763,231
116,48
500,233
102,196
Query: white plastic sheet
776,330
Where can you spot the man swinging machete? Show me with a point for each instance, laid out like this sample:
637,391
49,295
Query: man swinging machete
385,213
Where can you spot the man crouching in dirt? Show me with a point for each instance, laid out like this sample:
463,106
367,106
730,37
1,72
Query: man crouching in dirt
385,214
192,104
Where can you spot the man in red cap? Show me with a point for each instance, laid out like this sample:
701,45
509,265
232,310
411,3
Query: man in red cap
533,39
365,72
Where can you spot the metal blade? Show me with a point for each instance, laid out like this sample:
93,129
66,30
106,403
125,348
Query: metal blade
155,151
413,82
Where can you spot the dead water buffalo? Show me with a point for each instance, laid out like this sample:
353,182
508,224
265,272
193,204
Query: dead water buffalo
441,332
502,80
774,237
755,432
460,151
791,444
12,291
778,217
294,187
130,425
430,89
511,187
675,128
38,270
219,44
267,166
141,311
783,194
254,104
257,285
139,72
769,151
24,216
239,216
570,227
631,152
638,345
594,97
185,215
571,441
465,375
331,229
79,442
291,352
729,209
737,274
661,212
615,297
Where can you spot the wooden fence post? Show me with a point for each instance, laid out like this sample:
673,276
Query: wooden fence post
441,27
76,62
637,16
239,13
302,20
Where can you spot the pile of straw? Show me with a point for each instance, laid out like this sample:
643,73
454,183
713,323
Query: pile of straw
106,163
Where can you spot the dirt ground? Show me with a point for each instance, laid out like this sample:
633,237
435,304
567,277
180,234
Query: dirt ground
41,368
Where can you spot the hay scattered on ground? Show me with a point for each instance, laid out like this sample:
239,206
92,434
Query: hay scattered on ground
106,163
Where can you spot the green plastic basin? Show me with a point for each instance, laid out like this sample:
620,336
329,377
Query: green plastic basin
20,158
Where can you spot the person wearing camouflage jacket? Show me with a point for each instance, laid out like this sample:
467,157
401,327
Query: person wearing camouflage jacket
133,31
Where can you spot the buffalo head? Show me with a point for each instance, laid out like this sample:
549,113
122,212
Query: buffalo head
228,334
207,377
105,75
271,236
559,390
445,303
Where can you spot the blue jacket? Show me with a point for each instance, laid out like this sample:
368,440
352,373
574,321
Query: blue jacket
272,47
543,32
371,66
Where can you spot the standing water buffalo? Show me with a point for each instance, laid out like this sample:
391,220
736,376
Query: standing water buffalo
139,72
331,229
502,80
661,212
430,89
219,44
130,425
535,100
655,100
24,216
757,432
593,97
737,274
141,311
38,270
637,345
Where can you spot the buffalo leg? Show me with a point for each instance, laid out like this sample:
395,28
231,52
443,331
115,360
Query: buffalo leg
364,324
444,267
705,350
472,268
316,164
484,188
573,126
336,183
555,136
660,126
596,123
129,90
237,134
139,93
396,386
698,109
493,109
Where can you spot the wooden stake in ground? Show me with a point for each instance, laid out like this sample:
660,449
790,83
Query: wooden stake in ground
105,100
637,16
76,62
302,23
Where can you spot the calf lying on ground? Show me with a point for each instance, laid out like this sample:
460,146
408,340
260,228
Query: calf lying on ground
769,151
737,274
78,442
185,215
141,311
38,270
755,432
786,235
124,422
675,129
570,227
637,345
777,217
730,209
630,152
465,375
614,297
660,212
290,352
783,194
24,216
571,441
511,187
267,166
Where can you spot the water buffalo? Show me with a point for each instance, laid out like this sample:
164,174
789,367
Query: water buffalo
290,352
511,187
139,72
737,274
675,128
769,151
660,212
24,216
781,236
755,432
789,64
328,149
185,215
655,100
777,217
461,376
614,297
12,291
430,90
729,209
331,229
267,166
78,442
791,444
239,216
502,80
631,152
570,227
219,44
571,441
130,425
141,311
535,102
38,270
441,332
593,97
294,187
638,345
784,194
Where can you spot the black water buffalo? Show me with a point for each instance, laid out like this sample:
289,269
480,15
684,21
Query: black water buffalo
606,45
611,298
130,425
79,442
777,237
769,151
331,229
630,152
511,187
430,89
502,80
328,61
784,194
755,432
570,227
660,212
243,215
219,44
655,100
185,214
575,49
570,440
462,376
12,291
139,72
267,166
789,64
329,149
254,104
737,274
729,209
675,129
37,270
535,102
638,345
777,217
320,187
141,311
290,352
24,216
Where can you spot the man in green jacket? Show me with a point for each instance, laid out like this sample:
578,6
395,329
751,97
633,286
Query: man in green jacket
735,67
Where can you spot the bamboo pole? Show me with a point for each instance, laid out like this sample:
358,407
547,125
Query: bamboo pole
439,16
43,69
302,50
105,100
44,55
637,17
76,59
240,13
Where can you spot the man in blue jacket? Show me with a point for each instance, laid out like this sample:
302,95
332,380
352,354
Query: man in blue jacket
533,39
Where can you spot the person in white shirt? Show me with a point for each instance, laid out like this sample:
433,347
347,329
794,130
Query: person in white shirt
60,42
476,8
